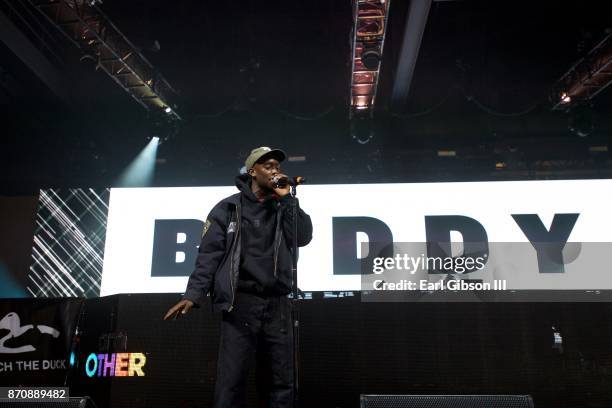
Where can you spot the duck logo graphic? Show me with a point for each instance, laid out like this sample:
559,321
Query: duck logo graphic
12,323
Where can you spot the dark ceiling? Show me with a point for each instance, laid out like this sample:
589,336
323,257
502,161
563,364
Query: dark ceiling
252,73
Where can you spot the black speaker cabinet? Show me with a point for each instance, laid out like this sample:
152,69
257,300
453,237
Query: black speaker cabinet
446,401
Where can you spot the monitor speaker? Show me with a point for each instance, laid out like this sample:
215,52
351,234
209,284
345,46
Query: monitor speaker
73,402
446,401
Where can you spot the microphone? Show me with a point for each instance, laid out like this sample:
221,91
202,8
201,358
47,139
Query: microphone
281,181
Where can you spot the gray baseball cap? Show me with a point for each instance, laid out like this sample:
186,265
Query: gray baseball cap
259,152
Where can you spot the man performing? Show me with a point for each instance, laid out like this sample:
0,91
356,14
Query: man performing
245,262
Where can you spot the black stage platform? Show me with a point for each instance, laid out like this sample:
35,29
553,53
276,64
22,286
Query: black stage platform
350,347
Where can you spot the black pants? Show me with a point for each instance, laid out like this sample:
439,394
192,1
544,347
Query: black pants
257,329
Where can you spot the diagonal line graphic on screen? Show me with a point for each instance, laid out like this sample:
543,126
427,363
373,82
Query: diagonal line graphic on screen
68,249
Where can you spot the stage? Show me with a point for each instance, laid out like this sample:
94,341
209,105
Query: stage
348,347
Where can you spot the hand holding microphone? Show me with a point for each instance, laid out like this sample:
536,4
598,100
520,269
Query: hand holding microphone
281,180
282,183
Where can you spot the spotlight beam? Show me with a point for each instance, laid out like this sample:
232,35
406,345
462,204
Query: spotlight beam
141,170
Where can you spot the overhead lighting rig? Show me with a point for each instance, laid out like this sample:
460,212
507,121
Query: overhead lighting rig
83,23
369,28
586,78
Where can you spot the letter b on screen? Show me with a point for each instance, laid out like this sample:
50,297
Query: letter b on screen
175,247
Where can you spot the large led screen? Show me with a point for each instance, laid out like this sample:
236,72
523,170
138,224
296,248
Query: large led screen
153,233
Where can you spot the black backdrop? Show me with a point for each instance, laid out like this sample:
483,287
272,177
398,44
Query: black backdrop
350,347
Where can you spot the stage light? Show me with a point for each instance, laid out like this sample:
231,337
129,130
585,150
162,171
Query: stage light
141,170
587,78
565,98
370,57
368,36
168,109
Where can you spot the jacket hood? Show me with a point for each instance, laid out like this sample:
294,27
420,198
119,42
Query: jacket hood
243,182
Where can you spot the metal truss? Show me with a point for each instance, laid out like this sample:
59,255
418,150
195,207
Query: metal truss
587,78
98,38
369,29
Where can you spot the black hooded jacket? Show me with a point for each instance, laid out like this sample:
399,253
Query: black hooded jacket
227,261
